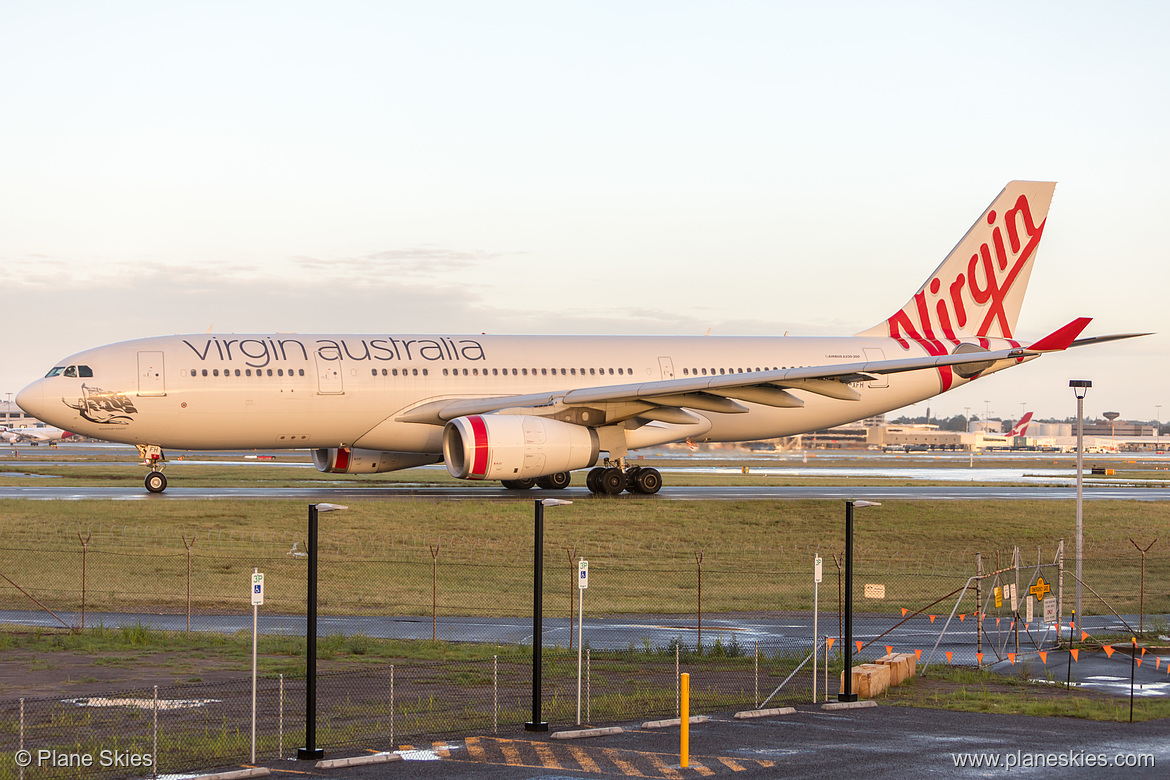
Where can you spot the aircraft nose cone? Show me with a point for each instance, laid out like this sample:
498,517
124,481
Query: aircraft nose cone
32,399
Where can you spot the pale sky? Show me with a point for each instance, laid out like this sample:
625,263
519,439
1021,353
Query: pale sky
641,168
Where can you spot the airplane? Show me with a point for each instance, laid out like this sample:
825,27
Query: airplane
528,410
1021,427
35,434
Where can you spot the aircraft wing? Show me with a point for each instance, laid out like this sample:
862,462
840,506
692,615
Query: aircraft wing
771,388
715,393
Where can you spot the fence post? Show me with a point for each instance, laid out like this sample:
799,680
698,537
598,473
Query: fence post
757,676
1016,597
392,705
84,546
572,591
1060,591
22,734
434,588
1142,615
699,563
495,694
676,678
154,730
978,602
588,686
280,722
188,546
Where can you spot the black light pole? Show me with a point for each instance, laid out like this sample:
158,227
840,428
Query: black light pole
536,724
310,751
847,694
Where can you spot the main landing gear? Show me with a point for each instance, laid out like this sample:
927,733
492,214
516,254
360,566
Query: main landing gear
152,455
558,481
612,480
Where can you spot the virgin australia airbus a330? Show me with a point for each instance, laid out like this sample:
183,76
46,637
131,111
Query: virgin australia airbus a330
527,410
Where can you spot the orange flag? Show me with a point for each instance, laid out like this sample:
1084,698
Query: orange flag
997,622
918,656
979,658
904,610
831,640
858,643
889,649
961,618
1012,658
1044,656
1084,635
932,617
1012,627
1143,652
1157,662
949,654
1108,651
1139,661
1075,654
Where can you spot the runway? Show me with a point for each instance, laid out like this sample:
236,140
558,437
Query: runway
412,492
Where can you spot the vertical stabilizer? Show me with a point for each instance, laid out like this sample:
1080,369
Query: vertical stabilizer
978,289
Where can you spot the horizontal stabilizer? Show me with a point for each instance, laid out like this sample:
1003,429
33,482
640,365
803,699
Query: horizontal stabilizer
1062,339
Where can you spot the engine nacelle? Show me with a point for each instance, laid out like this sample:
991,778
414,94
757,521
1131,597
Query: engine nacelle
510,446
344,460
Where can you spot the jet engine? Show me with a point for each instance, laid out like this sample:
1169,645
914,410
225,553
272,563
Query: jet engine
507,446
344,460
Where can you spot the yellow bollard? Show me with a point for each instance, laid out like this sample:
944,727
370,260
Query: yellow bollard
684,746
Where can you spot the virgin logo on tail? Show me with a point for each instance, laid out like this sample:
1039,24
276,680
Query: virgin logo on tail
977,291
977,294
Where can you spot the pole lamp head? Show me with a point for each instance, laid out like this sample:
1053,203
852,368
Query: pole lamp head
1080,387
554,502
329,507
863,504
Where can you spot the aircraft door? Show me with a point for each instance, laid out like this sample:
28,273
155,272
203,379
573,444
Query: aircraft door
666,366
329,376
883,380
150,374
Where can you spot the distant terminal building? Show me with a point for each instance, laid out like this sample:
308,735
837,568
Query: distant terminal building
12,416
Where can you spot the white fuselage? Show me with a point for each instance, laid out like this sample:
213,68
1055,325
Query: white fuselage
301,391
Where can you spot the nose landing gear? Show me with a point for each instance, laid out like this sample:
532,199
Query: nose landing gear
152,455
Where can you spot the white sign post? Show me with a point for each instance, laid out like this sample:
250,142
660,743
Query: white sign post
582,584
816,610
257,591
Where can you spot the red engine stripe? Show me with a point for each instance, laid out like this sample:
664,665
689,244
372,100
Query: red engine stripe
341,461
479,464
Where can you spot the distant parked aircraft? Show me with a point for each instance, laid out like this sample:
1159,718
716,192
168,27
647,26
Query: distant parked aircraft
36,434
527,410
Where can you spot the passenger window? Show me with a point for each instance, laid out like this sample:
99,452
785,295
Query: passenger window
592,372
270,372
247,372
205,372
424,372
237,372
300,372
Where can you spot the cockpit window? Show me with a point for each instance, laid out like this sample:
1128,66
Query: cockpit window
57,371
71,371
84,371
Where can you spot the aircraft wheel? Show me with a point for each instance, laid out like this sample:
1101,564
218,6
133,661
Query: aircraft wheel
156,482
558,481
518,484
593,480
612,481
647,481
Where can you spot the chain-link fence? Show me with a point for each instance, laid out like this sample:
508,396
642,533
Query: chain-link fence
741,621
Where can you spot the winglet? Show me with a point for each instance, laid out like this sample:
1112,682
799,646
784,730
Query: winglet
1062,339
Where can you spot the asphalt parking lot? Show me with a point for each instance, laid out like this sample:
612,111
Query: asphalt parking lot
874,743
